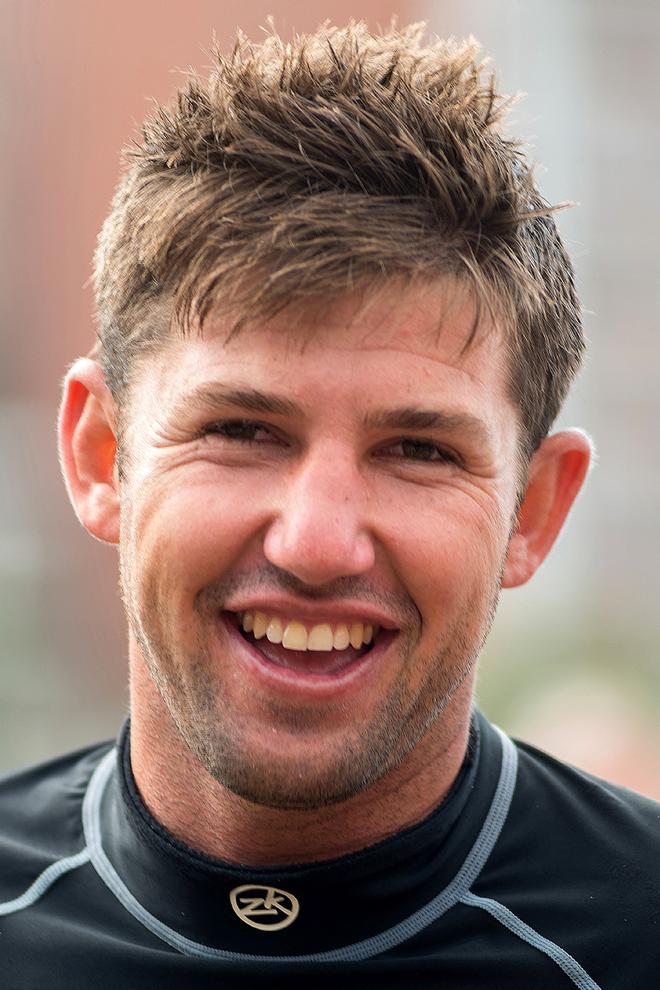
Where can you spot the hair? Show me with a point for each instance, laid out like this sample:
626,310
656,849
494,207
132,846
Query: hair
339,161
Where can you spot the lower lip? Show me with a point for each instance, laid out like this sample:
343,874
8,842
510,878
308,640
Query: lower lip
316,686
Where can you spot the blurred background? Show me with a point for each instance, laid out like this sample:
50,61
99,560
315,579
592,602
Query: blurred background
573,663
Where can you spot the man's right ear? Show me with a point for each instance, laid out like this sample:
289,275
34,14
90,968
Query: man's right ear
88,448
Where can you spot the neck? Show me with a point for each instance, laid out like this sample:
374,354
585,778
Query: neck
199,811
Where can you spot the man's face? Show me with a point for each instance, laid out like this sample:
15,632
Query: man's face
322,477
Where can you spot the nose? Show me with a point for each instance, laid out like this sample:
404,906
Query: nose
319,532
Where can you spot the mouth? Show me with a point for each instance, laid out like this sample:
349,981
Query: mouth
309,651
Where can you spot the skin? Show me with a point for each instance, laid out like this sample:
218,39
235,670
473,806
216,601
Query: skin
330,507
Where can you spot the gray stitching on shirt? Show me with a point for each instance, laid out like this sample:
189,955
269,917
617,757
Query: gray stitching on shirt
44,881
564,960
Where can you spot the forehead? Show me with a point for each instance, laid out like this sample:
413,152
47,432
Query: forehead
434,320
400,344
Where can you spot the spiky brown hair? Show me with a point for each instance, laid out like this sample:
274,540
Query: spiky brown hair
297,172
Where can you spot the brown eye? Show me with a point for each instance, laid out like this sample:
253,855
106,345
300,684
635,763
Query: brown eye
420,450
240,431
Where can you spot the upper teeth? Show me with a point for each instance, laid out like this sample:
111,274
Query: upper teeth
294,635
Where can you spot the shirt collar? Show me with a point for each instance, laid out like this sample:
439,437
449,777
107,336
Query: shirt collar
338,901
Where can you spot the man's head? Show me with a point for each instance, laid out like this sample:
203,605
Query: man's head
299,172
352,457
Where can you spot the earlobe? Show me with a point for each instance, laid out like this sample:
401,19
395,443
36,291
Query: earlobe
87,446
556,475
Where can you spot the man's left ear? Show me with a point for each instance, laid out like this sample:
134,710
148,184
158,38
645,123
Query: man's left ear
556,474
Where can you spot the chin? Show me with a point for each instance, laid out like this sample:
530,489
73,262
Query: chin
305,771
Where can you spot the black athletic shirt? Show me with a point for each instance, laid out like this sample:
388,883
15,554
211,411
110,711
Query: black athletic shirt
529,875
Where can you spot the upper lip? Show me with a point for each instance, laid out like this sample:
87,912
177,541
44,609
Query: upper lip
314,613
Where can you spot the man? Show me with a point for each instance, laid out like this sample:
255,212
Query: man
336,323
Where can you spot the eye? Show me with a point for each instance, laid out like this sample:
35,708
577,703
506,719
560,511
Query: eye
409,449
245,431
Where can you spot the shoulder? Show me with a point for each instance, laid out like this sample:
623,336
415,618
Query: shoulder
574,871
578,861
570,801
40,815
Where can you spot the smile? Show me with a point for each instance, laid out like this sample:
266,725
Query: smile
302,655
294,634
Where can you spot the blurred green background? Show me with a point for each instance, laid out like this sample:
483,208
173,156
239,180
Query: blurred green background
573,662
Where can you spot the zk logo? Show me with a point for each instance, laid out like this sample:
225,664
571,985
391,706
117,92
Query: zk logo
265,908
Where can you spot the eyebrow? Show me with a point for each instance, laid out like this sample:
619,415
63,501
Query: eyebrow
416,418
215,395
250,399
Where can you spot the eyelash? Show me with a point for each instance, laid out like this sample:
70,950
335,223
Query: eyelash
230,428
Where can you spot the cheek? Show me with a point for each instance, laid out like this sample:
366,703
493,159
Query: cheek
449,553
184,535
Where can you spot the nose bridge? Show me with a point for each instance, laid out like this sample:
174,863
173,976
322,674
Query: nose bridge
331,472
321,531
